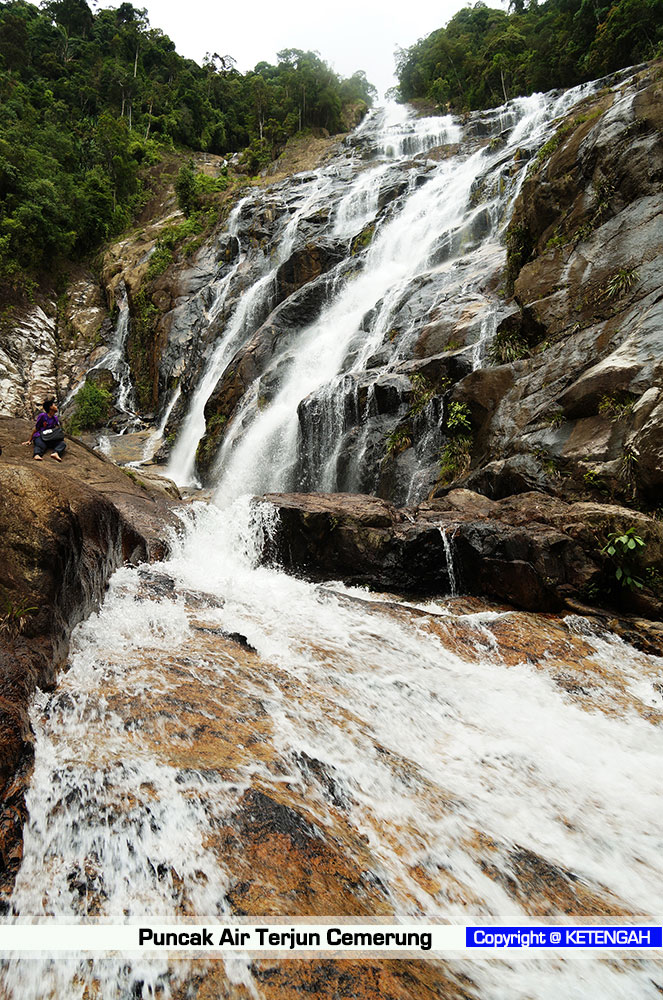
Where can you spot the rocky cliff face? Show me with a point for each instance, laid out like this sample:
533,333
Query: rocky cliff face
553,354
47,346
579,411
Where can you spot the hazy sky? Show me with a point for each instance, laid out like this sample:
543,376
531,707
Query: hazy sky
348,34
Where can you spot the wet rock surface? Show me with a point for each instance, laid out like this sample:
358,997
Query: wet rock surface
583,247
531,549
64,528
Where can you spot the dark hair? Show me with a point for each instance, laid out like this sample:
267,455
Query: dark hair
48,402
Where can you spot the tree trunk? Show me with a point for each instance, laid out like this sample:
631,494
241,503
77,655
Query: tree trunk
149,122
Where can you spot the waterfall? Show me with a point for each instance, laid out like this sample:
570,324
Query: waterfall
245,319
156,436
228,739
435,235
451,570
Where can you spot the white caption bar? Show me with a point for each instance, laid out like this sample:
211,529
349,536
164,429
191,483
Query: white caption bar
301,939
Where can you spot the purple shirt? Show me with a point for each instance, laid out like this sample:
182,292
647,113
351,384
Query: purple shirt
43,422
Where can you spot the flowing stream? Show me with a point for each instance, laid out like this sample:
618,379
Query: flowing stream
228,739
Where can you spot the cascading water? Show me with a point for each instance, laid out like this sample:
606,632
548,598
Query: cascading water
436,234
449,762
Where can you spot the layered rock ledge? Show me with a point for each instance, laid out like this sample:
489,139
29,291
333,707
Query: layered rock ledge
64,528
531,550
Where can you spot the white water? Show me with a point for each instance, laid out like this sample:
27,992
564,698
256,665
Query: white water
155,438
263,446
424,748
429,750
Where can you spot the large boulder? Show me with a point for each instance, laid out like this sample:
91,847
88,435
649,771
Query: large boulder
532,550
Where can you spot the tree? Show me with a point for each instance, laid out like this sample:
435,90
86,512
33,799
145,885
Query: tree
185,188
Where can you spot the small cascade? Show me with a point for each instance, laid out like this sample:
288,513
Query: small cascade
116,362
485,339
404,135
451,570
156,437
427,748
360,205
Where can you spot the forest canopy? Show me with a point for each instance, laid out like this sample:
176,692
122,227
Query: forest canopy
87,98
486,56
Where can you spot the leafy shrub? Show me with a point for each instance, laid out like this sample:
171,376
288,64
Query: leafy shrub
161,258
185,189
623,548
92,408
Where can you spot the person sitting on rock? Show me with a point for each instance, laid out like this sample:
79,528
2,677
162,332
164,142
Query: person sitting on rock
48,434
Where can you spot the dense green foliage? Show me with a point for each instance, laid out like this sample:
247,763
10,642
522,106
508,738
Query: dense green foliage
92,407
87,99
486,56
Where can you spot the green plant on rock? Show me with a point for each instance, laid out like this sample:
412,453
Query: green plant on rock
623,549
558,239
627,469
92,408
549,463
14,618
210,440
654,580
519,247
399,440
508,346
555,419
593,481
456,458
551,468
552,144
458,417
423,392
617,407
362,241
604,192
620,283
161,259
